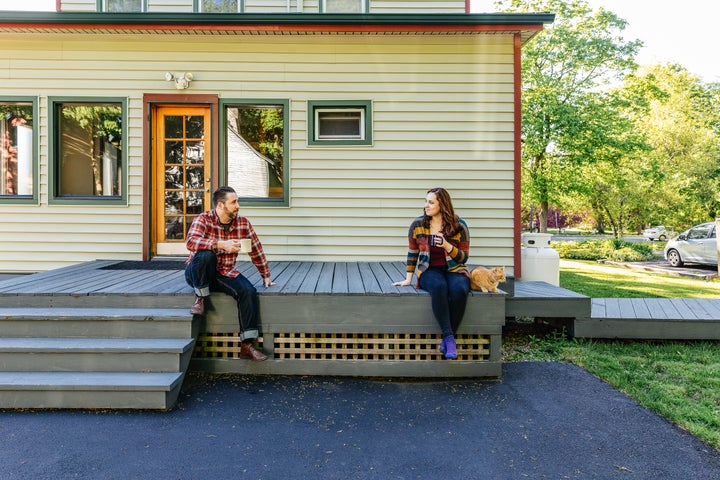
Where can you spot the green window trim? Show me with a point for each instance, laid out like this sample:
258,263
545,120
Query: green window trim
54,151
27,199
315,106
223,167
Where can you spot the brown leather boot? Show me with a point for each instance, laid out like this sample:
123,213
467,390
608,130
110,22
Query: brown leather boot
248,351
198,307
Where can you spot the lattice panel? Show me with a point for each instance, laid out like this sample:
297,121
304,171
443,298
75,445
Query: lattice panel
348,346
220,345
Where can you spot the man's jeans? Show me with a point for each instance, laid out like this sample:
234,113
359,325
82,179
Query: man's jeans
448,294
203,276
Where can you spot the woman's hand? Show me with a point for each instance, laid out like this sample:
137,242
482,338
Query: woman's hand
405,283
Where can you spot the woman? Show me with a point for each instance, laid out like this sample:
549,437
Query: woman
439,246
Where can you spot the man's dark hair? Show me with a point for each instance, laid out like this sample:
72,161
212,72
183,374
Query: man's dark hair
221,193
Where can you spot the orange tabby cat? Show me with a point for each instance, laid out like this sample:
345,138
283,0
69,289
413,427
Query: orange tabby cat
486,279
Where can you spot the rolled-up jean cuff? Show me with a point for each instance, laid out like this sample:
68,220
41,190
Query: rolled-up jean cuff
202,292
248,335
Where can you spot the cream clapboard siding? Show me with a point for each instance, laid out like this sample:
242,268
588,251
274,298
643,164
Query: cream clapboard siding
78,5
442,116
281,6
181,6
417,6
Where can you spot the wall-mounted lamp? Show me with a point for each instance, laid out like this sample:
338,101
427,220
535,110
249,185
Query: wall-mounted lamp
182,82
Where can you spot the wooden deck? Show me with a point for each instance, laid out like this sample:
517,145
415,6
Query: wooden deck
652,318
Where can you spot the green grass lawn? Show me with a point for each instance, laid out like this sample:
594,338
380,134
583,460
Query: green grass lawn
604,281
678,380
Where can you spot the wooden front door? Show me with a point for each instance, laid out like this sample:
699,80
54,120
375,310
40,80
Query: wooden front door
181,173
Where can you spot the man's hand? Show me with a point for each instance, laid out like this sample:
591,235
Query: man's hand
267,282
228,246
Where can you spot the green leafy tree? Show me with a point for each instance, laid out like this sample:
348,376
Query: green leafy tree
568,122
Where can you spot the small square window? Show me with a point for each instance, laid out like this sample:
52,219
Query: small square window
339,123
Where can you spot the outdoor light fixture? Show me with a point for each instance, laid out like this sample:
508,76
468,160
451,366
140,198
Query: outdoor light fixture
181,82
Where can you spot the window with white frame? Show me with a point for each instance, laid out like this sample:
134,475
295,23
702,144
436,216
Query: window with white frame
88,145
220,6
344,123
122,6
343,6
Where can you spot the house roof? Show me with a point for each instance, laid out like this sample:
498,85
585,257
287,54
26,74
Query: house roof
526,24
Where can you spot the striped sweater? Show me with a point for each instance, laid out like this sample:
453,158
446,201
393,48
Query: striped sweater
418,258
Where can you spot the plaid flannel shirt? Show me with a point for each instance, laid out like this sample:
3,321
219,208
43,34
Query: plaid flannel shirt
206,230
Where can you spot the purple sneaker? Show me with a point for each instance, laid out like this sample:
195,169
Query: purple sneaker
450,347
442,347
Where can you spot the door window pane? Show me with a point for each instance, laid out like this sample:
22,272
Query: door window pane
255,136
183,140
89,149
16,149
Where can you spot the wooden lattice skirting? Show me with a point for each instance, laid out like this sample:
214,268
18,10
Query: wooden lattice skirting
407,347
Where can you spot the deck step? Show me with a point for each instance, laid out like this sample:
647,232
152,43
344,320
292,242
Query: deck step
97,322
95,354
131,390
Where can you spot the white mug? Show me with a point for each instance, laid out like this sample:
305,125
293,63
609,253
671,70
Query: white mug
245,245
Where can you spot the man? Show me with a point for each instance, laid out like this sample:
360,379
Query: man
214,242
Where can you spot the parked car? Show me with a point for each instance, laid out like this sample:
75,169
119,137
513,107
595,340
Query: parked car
697,245
660,232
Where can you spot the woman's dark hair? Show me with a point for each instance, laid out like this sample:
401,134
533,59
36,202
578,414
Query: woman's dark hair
450,221
221,193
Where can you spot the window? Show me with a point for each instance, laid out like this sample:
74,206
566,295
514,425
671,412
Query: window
255,151
343,6
339,123
88,146
18,165
119,6
220,6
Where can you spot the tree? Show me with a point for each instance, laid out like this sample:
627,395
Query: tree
568,121
682,125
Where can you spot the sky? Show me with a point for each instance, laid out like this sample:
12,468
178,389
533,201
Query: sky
672,31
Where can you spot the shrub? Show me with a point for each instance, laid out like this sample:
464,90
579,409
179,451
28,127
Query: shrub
612,249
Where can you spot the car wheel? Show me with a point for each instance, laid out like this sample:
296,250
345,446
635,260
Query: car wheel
662,238
674,259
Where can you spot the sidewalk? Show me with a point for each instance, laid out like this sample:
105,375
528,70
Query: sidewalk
543,420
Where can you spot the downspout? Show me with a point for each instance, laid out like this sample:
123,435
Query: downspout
517,125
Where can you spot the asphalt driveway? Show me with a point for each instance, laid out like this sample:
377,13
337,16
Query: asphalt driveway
543,420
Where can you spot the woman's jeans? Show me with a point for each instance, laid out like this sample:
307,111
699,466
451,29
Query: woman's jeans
202,275
448,294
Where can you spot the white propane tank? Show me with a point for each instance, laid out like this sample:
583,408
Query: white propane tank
540,263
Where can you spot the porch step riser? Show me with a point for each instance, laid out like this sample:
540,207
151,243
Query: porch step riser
94,362
160,400
64,328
